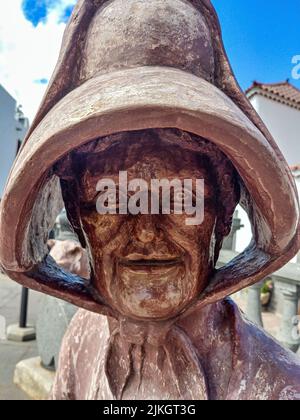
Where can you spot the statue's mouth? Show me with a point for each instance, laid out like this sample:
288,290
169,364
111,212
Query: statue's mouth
150,262
149,268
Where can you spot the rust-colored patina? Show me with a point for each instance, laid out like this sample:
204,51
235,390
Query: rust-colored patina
146,87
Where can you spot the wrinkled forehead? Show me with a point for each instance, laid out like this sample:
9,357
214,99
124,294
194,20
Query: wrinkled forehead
142,152
147,155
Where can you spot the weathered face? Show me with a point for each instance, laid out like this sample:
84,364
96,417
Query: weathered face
147,266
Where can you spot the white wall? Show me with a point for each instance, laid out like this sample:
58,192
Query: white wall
244,235
284,124
298,184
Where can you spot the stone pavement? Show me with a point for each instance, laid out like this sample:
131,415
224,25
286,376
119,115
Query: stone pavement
11,353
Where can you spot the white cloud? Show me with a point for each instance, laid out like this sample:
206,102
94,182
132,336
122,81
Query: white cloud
28,54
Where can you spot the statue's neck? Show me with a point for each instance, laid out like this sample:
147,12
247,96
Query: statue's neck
141,333
156,359
179,353
155,333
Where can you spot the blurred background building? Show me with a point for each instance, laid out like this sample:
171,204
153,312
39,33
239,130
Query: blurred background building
13,127
278,105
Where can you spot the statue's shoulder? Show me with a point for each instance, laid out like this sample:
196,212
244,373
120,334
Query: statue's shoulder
86,327
263,369
83,347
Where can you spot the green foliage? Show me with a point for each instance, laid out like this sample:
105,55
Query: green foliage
267,286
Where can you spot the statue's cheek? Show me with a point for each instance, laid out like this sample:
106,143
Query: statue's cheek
102,229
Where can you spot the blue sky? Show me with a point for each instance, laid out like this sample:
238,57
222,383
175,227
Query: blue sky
36,11
261,39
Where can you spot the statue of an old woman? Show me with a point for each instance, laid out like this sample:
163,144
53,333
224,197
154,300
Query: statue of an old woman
144,88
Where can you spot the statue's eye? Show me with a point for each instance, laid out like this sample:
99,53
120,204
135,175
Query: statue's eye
183,196
178,197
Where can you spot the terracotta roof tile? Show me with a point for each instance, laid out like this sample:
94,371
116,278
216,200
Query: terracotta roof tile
283,92
295,168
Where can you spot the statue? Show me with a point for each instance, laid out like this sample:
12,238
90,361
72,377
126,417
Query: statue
145,88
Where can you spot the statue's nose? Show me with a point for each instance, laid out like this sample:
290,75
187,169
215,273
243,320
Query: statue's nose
145,230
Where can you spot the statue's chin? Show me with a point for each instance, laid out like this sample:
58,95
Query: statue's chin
150,292
151,303
147,307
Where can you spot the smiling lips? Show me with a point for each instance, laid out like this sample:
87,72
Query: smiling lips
137,262
147,267
150,262
150,272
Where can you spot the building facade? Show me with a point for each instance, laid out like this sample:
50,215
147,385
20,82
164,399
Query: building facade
13,127
279,107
